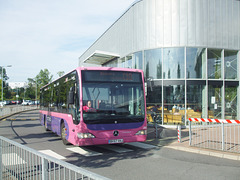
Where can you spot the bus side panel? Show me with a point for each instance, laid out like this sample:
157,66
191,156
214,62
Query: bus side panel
55,126
57,119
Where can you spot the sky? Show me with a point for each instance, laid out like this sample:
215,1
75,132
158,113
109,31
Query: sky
51,34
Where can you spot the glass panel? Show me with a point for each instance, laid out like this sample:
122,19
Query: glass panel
112,63
174,104
230,102
214,63
129,62
214,101
194,101
121,62
195,58
138,60
153,64
230,64
173,63
154,103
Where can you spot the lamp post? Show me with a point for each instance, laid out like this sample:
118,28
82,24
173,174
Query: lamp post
36,94
2,77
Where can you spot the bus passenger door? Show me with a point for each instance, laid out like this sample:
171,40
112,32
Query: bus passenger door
48,120
50,108
73,103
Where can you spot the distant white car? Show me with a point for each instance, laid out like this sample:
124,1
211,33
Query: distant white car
27,102
2,104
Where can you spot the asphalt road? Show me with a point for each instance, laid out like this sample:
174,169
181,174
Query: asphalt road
128,161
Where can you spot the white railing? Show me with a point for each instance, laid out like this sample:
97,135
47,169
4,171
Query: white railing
13,109
218,134
18,162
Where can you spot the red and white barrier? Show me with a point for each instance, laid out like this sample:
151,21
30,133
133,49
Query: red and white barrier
215,120
179,134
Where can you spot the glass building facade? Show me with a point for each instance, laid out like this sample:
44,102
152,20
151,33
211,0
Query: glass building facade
184,82
189,51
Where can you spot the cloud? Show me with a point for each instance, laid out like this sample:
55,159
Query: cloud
51,34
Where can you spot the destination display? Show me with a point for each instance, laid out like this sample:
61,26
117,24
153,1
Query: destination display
114,76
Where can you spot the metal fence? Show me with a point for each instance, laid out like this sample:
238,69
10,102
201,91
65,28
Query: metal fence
215,134
9,110
19,162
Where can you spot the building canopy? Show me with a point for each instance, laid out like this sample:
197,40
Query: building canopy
100,57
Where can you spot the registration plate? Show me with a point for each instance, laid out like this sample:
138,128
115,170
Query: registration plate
115,141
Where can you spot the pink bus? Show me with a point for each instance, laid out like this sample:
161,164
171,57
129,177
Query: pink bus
92,106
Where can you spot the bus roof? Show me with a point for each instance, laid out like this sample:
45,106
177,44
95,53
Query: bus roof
95,69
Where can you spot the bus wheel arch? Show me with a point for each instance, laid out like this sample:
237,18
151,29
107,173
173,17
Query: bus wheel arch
64,133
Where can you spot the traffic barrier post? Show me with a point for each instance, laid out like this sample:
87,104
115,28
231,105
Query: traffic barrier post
179,134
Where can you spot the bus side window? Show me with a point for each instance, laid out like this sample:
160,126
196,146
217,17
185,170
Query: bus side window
71,96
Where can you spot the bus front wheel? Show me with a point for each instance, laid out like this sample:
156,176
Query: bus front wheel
63,134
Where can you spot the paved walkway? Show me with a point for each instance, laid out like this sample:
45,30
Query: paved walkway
169,138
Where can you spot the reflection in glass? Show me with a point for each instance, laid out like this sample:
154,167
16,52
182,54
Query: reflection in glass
194,101
230,102
195,58
121,62
173,63
230,64
138,60
174,104
214,101
129,62
113,63
154,102
214,63
153,64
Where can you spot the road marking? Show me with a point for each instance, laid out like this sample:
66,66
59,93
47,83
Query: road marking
84,151
11,159
142,145
21,119
115,148
52,153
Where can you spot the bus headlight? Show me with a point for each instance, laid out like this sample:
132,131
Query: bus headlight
85,135
141,132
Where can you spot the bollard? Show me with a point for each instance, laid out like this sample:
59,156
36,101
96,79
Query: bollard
156,129
179,134
190,133
155,126
1,168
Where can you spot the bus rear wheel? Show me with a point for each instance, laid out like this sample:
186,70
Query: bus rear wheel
63,134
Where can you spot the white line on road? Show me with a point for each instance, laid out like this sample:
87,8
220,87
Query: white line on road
142,145
52,153
116,148
84,151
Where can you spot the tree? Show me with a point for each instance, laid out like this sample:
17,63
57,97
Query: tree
60,73
4,79
44,77
34,84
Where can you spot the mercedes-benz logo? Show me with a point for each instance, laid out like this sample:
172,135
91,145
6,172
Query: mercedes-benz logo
115,133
